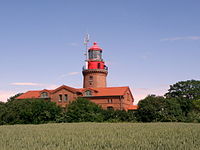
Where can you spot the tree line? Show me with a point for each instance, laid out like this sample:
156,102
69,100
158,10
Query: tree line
180,104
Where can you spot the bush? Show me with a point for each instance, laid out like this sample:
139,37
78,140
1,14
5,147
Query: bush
29,111
157,108
2,112
82,110
119,116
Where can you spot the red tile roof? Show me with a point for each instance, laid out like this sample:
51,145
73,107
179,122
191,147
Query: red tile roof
133,107
107,91
29,94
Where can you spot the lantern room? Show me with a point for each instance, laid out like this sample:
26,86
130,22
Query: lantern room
95,70
95,60
95,53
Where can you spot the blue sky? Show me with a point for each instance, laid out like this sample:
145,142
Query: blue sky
147,45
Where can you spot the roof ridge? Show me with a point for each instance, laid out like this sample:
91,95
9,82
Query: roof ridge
65,86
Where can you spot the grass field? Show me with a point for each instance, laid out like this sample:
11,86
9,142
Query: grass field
97,136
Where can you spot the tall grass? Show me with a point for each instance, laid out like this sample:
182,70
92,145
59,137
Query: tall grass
97,136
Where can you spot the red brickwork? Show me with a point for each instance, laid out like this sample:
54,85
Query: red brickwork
94,78
118,98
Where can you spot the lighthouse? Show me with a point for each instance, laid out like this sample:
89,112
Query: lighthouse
94,86
95,71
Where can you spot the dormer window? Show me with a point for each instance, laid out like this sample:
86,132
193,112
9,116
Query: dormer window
44,95
88,93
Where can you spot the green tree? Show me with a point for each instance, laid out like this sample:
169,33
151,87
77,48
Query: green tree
186,92
186,105
13,97
119,116
83,110
189,89
30,111
196,104
157,108
2,112
194,114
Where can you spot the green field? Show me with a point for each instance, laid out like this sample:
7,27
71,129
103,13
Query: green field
94,136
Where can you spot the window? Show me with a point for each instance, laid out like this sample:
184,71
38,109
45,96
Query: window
44,95
97,55
65,97
90,78
99,66
109,100
88,93
90,54
110,108
60,98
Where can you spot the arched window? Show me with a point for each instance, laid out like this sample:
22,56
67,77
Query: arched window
88,93
44,95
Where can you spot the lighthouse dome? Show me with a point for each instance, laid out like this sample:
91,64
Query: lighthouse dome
95,47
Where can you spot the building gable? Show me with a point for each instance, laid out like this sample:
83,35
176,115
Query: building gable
73,90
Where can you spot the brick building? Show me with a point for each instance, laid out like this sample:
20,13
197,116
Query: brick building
94,87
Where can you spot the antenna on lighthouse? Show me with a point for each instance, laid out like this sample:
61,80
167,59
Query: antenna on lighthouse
86,41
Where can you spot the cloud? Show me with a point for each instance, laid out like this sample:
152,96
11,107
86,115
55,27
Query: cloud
181,38
26,84
73,44
73,73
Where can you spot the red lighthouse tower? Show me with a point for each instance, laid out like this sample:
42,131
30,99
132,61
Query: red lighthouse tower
95,71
